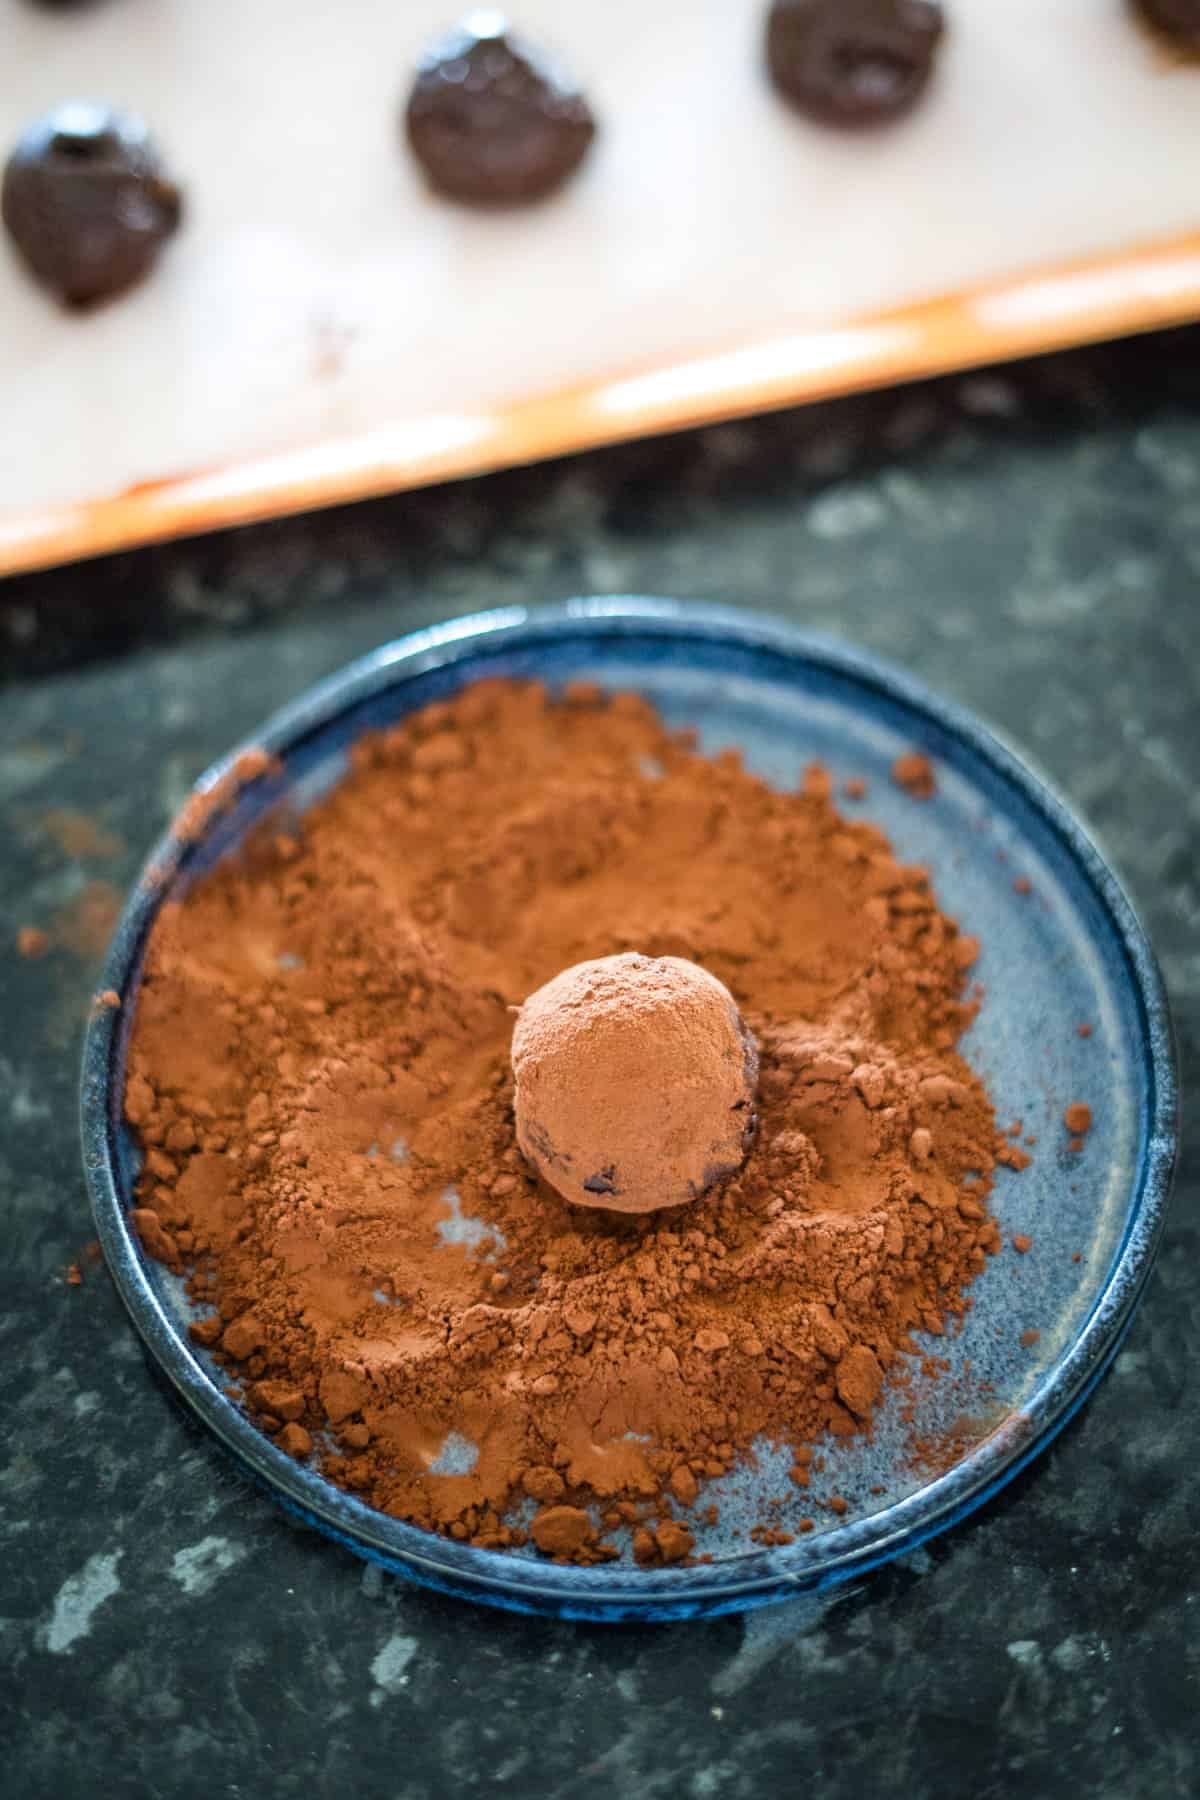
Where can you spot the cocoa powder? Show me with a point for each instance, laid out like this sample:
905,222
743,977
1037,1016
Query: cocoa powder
80,837
915,774
32,942
1078,1118
319,1077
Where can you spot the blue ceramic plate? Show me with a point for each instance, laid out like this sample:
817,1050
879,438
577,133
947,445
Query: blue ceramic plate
1067,952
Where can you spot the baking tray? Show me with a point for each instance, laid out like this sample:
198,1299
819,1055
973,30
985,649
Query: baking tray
324,329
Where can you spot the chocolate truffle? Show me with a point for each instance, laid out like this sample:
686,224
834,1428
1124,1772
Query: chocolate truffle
853,62
491,120
86,202
1179,19
635,1080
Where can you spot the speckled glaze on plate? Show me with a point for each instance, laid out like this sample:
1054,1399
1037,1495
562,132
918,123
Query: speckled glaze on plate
1068,951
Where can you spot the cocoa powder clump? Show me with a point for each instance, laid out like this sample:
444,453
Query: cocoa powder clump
915,774
319,1077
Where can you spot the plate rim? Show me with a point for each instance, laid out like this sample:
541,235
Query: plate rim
763,1575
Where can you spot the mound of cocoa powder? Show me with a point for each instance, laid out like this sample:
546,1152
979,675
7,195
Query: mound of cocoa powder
319,1075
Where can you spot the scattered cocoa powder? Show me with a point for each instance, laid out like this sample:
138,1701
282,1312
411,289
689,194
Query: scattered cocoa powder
1022,885
1085,1031
770,1535
79,836
107,1000
915,774
1013,1157
87,1258
1022,1244
319,1077
937,1452
32,942
1029,1338
85,925
1078,1118
855,788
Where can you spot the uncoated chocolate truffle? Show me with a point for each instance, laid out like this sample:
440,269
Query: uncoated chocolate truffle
635,1080
86,201
853,62
493,121
1180,19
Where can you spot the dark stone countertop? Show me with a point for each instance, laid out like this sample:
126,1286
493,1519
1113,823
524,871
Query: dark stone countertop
1029,541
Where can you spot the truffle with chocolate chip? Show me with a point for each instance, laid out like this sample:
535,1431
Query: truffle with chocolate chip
635,1079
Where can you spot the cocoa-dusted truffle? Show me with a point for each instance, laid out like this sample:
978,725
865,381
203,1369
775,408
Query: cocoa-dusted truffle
86,202
491,120
635,1080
